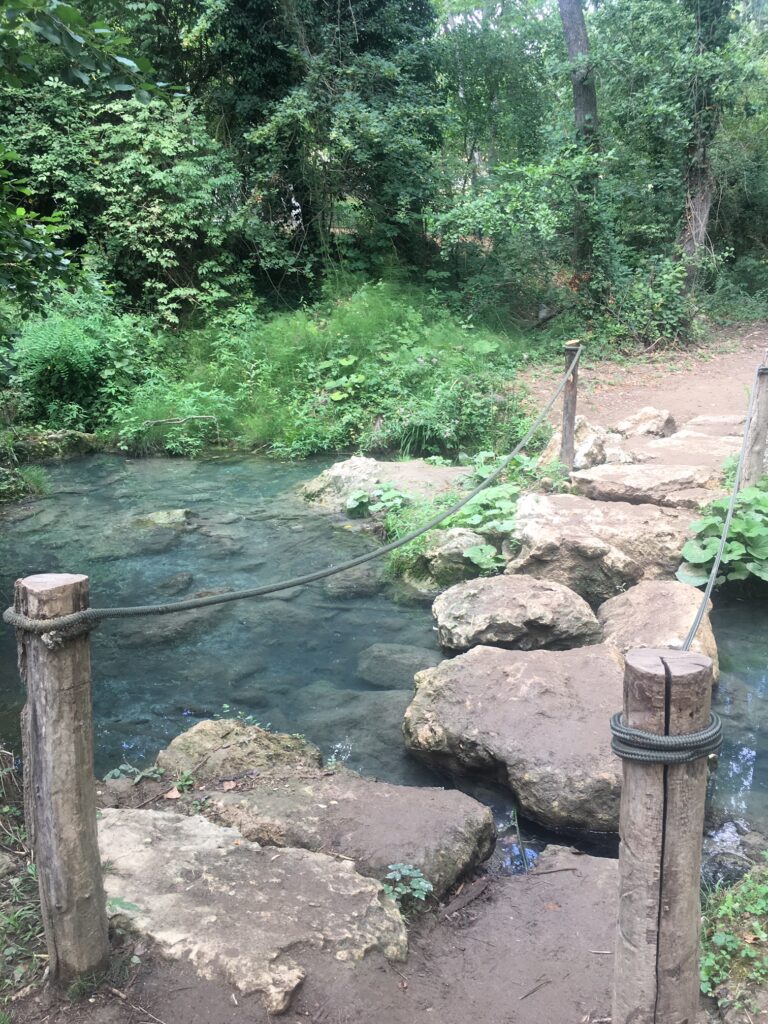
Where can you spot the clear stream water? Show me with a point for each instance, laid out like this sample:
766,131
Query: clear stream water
290,661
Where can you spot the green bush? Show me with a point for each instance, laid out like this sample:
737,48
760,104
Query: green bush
73,366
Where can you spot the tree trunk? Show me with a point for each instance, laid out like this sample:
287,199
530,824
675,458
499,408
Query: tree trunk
582,79
698,203
585,112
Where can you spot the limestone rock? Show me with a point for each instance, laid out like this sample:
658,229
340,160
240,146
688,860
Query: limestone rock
445,555
537,721
693,446
333,486
513,611
589,447
360,581
259,918
391,666
597,548
718,425
686,486
173,518
659,422
657,613
443,832
225,746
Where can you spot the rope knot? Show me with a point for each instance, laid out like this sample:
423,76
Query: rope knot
653,748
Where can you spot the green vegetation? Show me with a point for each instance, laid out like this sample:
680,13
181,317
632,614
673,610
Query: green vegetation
734,952
22,959
745,556
407,886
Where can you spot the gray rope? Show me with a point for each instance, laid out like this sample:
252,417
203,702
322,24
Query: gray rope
727,524
91,616
652,748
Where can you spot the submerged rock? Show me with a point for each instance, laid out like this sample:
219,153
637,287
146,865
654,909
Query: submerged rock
657,613
360,581
174,518
390,666
514,611
597,548
657,422
537,721
260,919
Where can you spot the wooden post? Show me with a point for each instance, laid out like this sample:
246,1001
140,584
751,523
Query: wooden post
656,977
754,465
568,442
59,791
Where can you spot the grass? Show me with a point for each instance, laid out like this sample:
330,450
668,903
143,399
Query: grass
22,946
734,954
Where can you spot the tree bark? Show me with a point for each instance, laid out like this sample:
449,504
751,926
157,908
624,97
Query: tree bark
582,79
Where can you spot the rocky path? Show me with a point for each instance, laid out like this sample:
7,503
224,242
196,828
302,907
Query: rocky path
268,901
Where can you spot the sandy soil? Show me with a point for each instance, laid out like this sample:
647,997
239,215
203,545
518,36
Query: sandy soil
709,380
527,950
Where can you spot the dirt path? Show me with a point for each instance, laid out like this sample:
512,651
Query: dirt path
711,379
530,949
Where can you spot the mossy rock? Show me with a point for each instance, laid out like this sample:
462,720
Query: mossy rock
216,748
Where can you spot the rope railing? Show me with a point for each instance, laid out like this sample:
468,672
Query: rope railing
89,617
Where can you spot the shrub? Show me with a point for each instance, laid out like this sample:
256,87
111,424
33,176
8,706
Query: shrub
746,551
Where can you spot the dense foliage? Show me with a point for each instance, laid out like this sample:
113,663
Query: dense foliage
217,186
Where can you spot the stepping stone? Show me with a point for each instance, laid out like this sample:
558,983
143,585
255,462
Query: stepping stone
513,611
373,824
682,486
597,548
657,422
537,721
257,918
718,426
275,790
657,613
692,447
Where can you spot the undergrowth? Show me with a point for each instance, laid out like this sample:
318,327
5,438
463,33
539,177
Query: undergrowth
734,954
375,368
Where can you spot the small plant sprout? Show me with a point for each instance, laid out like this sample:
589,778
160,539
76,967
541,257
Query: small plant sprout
185,782
404,884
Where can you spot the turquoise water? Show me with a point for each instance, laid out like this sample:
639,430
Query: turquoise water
290,661
739,787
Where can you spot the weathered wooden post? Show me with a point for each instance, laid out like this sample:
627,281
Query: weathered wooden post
666,692
754,464
568,442
59,791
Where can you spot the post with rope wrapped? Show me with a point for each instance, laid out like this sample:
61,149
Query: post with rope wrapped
664,737
568,437
757,429
59,790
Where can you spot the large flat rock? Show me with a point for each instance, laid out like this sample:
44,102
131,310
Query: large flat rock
513,611
688,447
537,721
657,613
597,548
415,477
375,824
254,917
276,791
684,486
